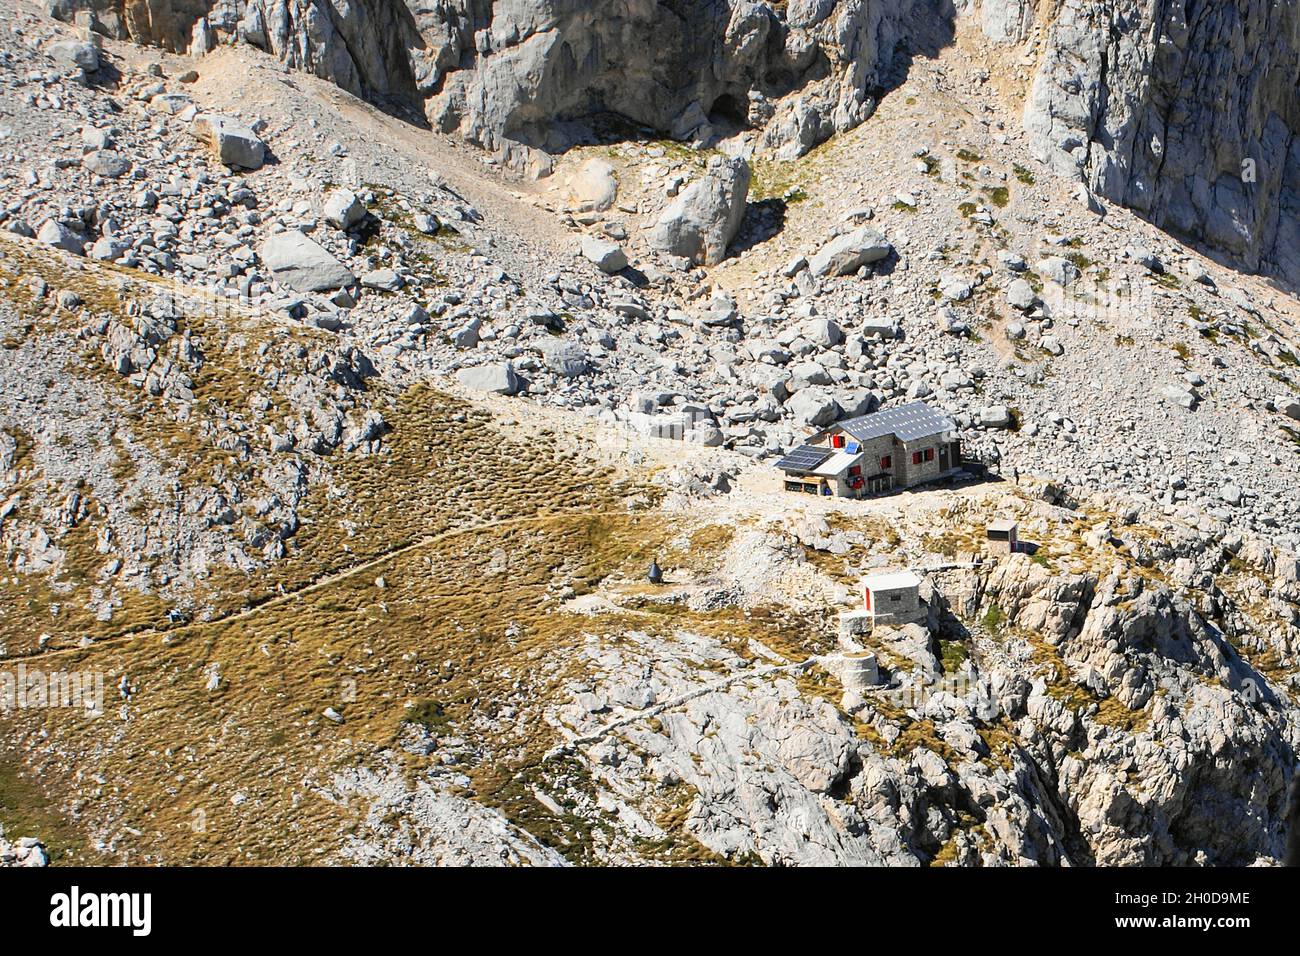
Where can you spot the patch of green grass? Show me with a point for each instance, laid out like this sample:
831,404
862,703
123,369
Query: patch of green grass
953,654
26,811
998,195
968,155
777,179
429,714
993,620
1023,174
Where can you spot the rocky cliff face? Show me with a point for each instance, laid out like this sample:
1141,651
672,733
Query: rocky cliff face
800,71
1183,111
1123,640
524,70
370,47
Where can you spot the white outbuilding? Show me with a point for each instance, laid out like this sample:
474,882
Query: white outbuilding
893,597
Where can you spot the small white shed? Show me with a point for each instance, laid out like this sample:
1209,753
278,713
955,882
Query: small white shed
893,597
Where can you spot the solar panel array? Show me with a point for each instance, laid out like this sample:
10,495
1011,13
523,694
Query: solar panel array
805,458
908,422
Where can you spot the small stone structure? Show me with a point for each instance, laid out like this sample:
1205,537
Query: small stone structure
1001,536
893,597
858,672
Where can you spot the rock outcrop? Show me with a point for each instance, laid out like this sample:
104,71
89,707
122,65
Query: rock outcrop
533,73
369,47
1145,767
23,851
1186,113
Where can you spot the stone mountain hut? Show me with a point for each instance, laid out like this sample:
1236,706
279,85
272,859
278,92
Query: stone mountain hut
896,448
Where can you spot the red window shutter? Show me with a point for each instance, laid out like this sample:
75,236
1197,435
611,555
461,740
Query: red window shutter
929,454
916,457
867,592
887,462
855,469
837,441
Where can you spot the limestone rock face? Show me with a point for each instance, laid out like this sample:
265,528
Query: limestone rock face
1186,117
1184,114
1129,643
370,46
516,73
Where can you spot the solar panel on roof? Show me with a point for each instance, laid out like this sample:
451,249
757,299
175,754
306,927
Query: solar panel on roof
804,458
908,422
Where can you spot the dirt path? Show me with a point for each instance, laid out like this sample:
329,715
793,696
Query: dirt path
317,584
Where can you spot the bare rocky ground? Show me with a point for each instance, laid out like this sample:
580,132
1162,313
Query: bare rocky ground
208,467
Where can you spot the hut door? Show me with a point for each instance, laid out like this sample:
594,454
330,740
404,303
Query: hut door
944,457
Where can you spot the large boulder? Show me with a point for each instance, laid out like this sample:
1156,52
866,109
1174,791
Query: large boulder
592,187
701,222
107,163
60,236
815,407
564,357
500,378
604,255
302,265
1021,295
1057,269
75,54
850,252
231,142
996,416
1180,395
343,209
